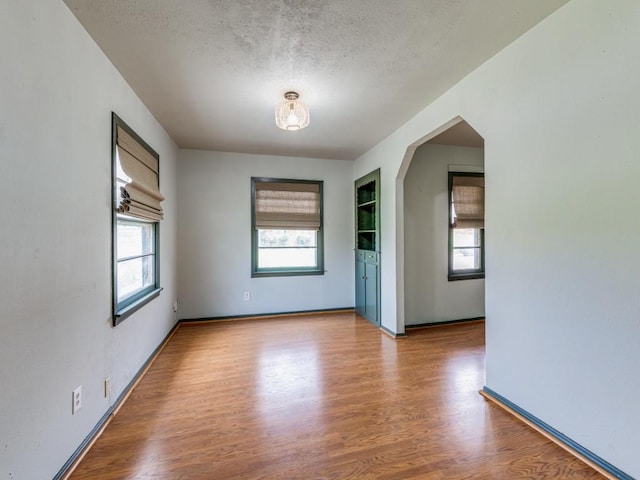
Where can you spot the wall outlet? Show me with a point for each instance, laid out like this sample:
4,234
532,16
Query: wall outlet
175,306
107,387
76,404
247,296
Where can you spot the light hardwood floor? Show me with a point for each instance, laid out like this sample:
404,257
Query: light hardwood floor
320,397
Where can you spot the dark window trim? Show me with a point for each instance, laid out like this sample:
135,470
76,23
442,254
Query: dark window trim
122,310
463,274
137,304
293,271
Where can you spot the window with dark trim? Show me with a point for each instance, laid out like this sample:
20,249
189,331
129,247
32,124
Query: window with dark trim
136,221
286,227
466,225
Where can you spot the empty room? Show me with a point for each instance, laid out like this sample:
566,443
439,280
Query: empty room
331,239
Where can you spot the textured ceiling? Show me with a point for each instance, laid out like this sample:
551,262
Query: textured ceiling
211,71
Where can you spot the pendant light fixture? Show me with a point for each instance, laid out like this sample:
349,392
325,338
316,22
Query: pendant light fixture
292,114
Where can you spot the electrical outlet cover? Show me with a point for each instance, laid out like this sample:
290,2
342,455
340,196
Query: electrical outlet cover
107,387
76,400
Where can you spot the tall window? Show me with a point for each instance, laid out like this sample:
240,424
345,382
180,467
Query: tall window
286,230
136,217
466,225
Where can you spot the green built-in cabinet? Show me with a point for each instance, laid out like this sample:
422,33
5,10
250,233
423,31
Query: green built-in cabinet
367,261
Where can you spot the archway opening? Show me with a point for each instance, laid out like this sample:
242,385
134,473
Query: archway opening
432,248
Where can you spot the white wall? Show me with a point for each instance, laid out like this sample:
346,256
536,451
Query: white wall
57,91
559,110
428,295
215,236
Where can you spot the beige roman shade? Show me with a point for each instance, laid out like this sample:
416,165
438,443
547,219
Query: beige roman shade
468,201
137,179
290,205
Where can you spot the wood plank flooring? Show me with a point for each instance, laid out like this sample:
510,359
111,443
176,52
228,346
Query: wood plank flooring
320,397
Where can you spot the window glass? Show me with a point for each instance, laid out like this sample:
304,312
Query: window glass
134,275
287,248
135,269
466,249
134,239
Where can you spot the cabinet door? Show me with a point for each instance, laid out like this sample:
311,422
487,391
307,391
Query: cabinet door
360,288
371,292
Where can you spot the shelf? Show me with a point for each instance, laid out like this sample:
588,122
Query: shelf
367,213
366,219
366,193
366,240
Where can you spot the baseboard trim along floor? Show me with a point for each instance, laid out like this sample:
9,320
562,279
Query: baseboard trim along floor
443,323
187,321
564,442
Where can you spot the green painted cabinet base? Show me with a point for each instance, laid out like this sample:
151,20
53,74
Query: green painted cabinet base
367,285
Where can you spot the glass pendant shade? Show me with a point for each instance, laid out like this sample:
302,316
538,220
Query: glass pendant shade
292,114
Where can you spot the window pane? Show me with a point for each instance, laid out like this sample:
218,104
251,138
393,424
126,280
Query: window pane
466,237
134,238
135,275
286,238
286,257
286,248
466,259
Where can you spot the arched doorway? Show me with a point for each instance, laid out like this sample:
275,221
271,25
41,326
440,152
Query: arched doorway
431,293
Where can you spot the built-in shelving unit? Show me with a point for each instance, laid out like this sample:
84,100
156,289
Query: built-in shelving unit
367,221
